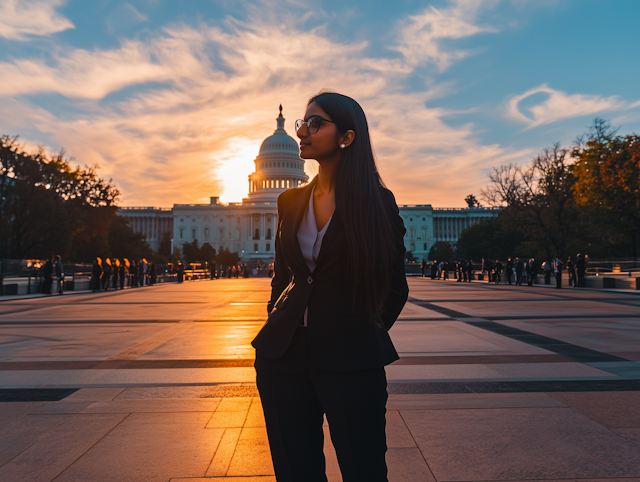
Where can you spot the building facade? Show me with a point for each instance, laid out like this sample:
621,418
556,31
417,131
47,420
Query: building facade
248,227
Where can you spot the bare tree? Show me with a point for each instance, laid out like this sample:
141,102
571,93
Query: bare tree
537,198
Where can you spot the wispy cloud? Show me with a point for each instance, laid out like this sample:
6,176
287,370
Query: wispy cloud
559,105
24,19
195,131
422,37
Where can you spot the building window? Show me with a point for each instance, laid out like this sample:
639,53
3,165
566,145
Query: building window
268,234
193,234
424,246
238,219
181,233
424,232
206,234
255,247
413,247
256,235
268,246
412,230
423,219
288,183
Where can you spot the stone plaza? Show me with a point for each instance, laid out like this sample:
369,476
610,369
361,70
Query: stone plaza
495,383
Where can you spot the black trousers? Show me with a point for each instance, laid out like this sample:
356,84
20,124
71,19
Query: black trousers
295,396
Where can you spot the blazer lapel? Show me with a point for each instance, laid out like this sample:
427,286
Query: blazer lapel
298,210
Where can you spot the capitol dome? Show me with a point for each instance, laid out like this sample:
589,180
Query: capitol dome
278,166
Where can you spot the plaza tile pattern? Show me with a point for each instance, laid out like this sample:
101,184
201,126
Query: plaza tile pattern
156,384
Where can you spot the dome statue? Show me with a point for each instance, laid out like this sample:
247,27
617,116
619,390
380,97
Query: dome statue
278,166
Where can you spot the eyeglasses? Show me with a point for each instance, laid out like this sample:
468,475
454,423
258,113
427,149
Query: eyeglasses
313,123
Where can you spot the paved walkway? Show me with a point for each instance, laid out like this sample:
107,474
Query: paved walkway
494,383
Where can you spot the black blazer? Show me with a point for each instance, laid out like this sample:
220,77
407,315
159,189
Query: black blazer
339,333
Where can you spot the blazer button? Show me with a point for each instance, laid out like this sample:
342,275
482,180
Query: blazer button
309,280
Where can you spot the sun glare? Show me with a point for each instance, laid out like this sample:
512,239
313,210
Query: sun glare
234,167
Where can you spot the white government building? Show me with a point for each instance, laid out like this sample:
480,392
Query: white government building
248,227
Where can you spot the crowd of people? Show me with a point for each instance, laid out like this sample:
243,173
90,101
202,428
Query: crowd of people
113,273
515,270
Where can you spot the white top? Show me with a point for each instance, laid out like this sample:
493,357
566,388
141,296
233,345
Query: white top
310,239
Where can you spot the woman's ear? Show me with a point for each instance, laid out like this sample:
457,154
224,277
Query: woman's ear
347,139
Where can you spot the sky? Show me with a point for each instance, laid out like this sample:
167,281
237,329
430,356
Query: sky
173,99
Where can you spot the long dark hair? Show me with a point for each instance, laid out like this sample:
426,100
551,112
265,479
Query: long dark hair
359,202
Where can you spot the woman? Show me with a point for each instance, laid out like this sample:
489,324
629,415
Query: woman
338,287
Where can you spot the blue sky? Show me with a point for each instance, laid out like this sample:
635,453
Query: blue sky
172,99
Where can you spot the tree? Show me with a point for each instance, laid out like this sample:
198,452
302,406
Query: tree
124,242
227,258
207,253
539,198
191,252
442,251
491,238
472,202
164,249
607,172
48,207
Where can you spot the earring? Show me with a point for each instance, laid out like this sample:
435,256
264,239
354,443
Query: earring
342,146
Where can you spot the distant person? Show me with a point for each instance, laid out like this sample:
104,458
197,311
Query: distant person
469,268
180,270
498,272
123,272
571,271
106,274
434,269
532,272
558,266
143,269
96,274
460,268
152,273
116,273
47,275
508,270
60,274
581,269
519,266
548,269
423,267
133,274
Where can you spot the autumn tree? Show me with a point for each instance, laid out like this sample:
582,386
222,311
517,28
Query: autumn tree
607,172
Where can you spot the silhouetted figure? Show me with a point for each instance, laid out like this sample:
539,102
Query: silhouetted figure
532,272
470,274
508,271
106,274
180,269
423,267
434,269
571,271
558,265
123,272
116,273
548,269
152,273
47,274
59,274
518,267
581,269
133,274
498,272
96,274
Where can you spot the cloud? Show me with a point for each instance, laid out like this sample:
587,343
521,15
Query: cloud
558,105
421,37
209,95
23,19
